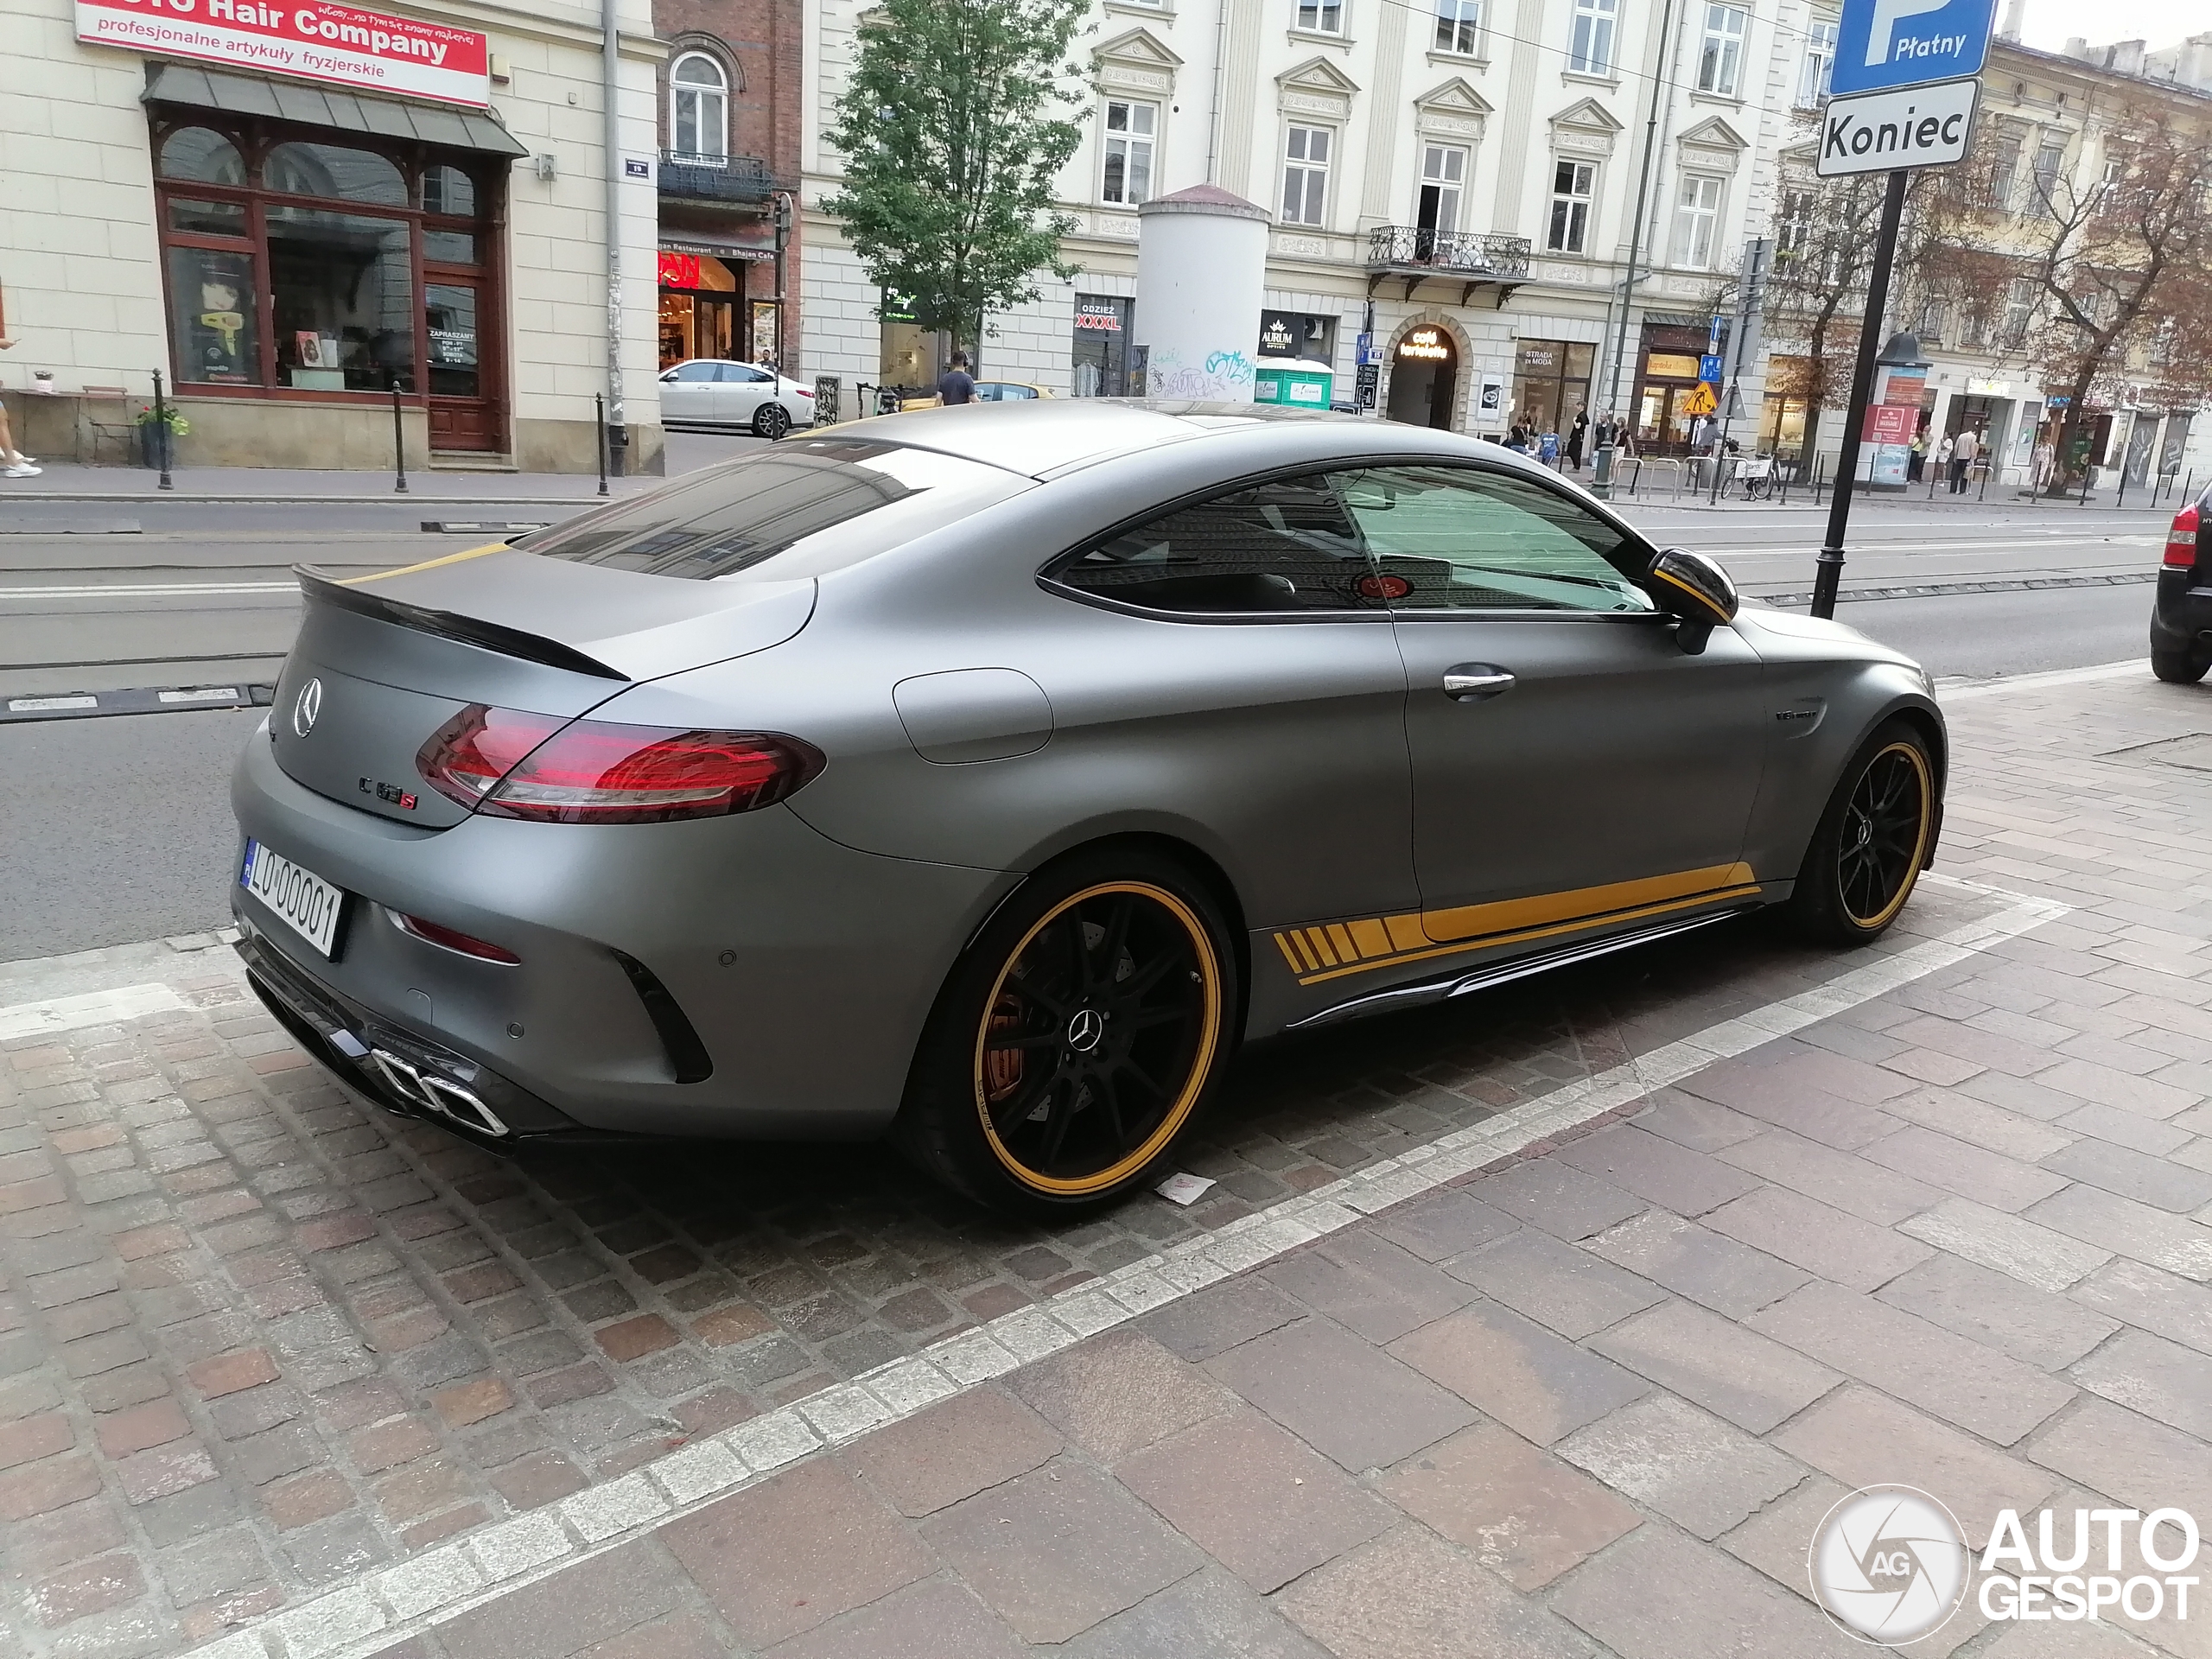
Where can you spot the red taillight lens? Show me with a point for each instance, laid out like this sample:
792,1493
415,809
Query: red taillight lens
2181,540
453,940
516,765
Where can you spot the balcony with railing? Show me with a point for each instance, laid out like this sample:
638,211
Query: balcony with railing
720,180
1471,258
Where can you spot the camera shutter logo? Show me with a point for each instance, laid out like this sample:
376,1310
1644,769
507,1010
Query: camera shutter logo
1889,1564
305,711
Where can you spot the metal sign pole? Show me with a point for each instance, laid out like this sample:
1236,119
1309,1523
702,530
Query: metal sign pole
1827,574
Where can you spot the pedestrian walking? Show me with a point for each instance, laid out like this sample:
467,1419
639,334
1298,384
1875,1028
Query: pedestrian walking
1943,458
1548,449
18,463
1576,436
1963,454
956,385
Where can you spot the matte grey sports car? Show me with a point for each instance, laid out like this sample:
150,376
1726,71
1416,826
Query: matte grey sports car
986,775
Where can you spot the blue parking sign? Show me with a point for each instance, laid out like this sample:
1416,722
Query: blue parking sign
1884,44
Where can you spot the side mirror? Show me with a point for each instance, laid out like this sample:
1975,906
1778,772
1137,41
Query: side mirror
1695,589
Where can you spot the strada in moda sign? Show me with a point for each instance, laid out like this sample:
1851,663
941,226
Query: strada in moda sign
340,46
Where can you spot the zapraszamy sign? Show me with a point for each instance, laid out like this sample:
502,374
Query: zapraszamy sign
1882,132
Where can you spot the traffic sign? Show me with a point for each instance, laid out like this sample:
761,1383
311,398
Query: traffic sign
1881,45
1701,401
1890,131
1709,367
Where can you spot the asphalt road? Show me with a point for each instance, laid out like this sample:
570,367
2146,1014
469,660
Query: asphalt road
117,829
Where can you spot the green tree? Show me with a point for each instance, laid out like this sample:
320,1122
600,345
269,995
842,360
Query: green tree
953,140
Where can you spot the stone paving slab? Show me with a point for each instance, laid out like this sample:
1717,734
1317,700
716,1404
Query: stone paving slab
272,1363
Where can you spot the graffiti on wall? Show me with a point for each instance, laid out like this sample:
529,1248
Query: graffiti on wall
1220,377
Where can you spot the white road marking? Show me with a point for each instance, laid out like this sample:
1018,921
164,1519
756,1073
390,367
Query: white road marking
92,1009
385,1607
155,590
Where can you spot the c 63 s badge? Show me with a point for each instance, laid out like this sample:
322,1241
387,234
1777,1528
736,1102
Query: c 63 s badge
391,794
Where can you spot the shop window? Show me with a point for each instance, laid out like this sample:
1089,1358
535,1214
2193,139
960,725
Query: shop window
449,247
1297,333
203,156
1100,360
212,305
698,109
449,321
208,218
448,190
342,296
336,172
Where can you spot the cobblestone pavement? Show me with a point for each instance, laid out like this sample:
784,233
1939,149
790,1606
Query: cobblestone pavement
260,1341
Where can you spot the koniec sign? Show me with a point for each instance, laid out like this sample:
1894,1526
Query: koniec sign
339,45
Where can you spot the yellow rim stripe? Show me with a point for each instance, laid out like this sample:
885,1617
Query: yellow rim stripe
1920,841
427,564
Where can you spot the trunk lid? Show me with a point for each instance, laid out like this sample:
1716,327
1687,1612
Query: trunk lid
382,662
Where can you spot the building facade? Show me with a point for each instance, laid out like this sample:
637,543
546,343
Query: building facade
1458,179
292,211
728,100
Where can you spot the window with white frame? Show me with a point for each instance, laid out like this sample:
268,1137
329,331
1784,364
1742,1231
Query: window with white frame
1574,184
1697,220
1130,130
1590,42
698,108
1930,326
1460,26
2049,161
2019,311
1443,179
1321,16
1819,62
1793,224
1720,59
2003,170
1306,175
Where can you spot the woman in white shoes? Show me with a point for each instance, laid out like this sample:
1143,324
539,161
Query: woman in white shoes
18,463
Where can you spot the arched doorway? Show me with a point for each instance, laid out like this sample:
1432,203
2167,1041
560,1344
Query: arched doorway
1425,375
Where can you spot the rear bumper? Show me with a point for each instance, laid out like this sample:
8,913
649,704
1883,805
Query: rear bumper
800,972
2181,616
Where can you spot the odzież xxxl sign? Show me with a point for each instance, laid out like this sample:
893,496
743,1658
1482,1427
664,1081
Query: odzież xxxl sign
340,46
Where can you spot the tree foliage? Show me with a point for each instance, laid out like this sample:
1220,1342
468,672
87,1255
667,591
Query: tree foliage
952,131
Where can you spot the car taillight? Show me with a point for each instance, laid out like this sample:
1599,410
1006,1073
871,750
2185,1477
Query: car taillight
2181,540
508,765
804,393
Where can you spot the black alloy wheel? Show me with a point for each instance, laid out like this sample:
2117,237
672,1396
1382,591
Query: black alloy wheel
770,421
1868,851
1097,1015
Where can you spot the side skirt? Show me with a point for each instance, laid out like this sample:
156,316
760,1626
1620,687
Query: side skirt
1460,983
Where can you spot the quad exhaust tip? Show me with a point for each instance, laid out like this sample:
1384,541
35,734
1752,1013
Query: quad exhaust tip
437,1095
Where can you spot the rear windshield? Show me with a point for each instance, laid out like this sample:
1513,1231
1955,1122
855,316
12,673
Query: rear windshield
804,507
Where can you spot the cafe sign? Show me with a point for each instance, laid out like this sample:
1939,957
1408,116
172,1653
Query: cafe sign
1426,346
339,45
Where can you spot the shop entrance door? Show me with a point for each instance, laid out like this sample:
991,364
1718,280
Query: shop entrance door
456,327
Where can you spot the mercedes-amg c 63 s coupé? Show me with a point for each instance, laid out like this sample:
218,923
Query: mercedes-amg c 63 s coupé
985,776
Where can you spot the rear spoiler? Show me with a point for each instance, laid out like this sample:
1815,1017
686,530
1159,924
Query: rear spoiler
324,589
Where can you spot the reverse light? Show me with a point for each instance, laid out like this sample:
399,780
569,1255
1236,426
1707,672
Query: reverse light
2181,540
505,764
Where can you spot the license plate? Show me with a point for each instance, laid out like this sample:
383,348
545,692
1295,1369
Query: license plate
300,899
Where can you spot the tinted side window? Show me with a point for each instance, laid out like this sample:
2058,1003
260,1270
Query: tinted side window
740,373
1286,545
1456,538
690,373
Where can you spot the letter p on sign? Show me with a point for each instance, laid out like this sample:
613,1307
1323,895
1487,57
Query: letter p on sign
1887,14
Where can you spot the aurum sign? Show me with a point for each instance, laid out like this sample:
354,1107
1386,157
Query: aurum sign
340,46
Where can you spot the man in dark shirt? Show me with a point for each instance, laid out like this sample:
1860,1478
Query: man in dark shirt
956,385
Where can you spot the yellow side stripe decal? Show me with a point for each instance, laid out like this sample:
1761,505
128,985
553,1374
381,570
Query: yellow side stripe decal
427,564
1332,949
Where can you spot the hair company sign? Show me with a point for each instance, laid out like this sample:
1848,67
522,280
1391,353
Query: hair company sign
341,46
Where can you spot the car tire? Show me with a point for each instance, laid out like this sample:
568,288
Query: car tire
770,421
2178,667
1871,841
1054,1077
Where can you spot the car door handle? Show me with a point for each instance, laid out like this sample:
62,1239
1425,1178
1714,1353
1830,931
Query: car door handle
1472,682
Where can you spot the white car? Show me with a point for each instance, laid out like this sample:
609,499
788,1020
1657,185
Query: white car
708,392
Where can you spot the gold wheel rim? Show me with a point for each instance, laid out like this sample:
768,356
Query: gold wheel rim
1186,1094
1922,783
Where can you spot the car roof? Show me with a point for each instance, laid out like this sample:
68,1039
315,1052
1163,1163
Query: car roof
1048,438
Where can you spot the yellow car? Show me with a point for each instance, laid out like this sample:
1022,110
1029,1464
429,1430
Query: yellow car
987,392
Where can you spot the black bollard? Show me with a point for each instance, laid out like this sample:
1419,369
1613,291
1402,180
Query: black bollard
398,442
162,436
599,399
